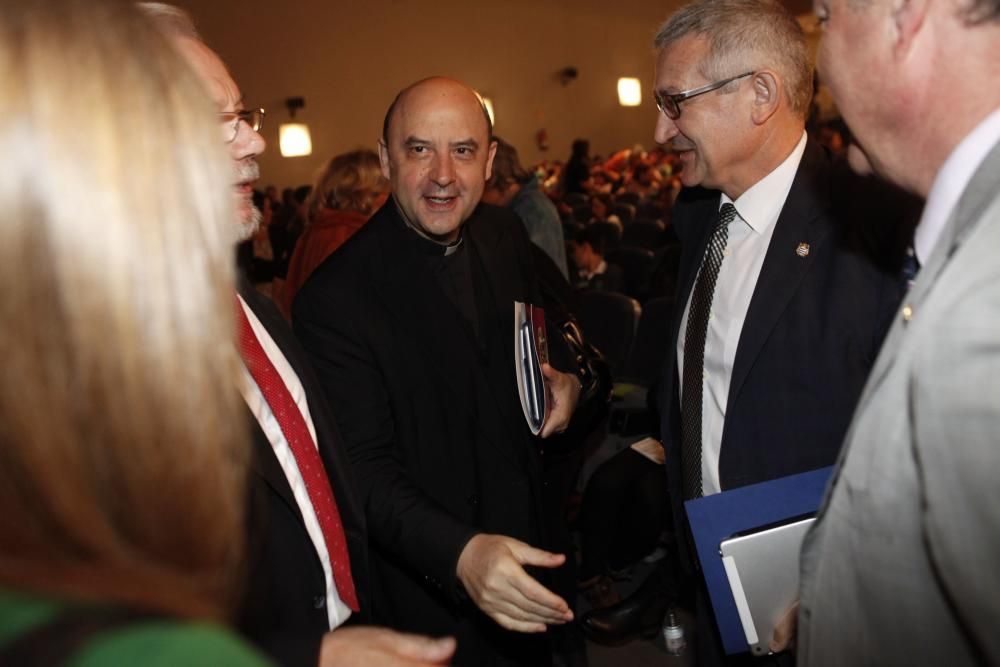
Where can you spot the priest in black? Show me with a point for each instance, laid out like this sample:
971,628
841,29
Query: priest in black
410,326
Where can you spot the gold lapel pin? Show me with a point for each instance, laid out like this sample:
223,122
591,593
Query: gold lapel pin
802,250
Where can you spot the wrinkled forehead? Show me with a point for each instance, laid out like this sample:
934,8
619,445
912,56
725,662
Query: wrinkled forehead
446,112
218,83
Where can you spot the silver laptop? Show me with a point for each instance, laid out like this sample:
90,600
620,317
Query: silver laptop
763,571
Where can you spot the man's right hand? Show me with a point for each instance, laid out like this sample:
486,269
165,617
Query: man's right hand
381,647
491,568
786,630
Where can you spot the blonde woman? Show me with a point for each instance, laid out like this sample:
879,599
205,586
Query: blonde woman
122,460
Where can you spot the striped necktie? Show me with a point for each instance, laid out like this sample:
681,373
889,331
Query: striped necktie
694,352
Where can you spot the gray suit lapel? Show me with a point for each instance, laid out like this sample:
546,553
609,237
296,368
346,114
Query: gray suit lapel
978,194
980,191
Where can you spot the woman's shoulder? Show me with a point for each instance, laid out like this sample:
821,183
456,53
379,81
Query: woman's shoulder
167,643
105,637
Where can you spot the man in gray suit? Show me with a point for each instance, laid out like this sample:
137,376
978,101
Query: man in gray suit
901,564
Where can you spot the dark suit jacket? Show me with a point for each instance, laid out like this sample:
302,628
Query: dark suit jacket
284,607
812,331
430,415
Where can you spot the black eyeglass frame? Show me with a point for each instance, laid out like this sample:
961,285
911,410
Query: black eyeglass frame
252,117
670,104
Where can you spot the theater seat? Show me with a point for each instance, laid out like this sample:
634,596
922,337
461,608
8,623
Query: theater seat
632,198
637,265
649,234
625,212
649,348
609,321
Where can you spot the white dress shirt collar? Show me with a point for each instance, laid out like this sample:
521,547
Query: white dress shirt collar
601,268
760,205
951,180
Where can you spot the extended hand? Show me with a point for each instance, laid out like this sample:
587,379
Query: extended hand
564,393
381,647
491,570
785,630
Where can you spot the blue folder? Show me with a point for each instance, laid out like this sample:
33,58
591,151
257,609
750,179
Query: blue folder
719,516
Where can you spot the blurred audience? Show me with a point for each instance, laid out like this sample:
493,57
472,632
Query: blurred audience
577,170
287,226
592,270
600,208
347,191
513,186
255,256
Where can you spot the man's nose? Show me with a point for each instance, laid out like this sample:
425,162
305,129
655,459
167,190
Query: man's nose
443,170
666,129
248,142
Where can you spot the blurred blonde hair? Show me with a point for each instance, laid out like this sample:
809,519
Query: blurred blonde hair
123,456
172,20
351,181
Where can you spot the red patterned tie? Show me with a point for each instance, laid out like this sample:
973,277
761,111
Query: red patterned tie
306,455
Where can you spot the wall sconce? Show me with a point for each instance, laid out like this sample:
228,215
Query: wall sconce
567,75
629,92
294,138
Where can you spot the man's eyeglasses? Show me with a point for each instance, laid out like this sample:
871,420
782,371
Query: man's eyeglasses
231,122
671,104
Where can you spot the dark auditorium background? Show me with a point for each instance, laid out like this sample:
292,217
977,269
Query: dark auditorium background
347,59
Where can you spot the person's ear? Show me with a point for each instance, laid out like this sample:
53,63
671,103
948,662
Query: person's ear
767,89
489,159
383,158
907,19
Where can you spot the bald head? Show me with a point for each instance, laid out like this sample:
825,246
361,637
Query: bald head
431,81
437,153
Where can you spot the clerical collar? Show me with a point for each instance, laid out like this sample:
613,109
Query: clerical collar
429,245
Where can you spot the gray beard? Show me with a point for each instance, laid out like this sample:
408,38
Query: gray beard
247,170
245,229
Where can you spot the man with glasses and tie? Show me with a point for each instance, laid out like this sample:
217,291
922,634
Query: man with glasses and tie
780,312
307,545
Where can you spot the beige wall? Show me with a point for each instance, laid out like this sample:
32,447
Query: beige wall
348,59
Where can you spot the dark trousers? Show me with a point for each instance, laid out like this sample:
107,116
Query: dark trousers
624,512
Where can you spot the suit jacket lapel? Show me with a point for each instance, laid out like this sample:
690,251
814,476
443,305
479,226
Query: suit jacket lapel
783,268
978,194
499,314
702,215
264,463
693,228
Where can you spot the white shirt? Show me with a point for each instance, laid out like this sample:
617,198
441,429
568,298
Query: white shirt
601,268
750,233
337,611
951,180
